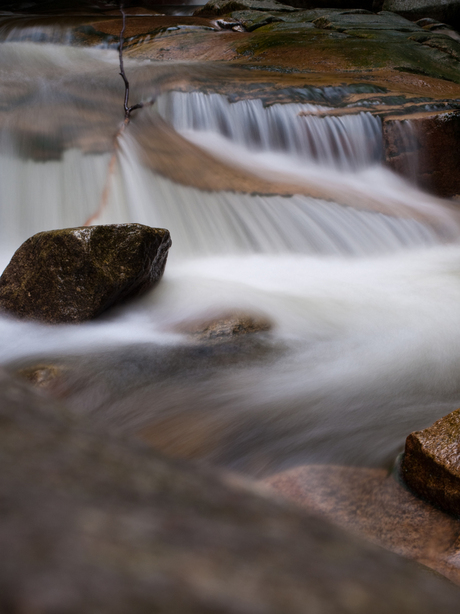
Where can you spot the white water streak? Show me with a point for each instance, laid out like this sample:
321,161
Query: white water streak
38,196
213,223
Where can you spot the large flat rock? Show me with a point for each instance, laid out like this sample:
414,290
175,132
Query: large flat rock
372,503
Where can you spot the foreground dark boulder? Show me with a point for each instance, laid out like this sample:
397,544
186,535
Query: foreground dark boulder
75,274
94,524
431,463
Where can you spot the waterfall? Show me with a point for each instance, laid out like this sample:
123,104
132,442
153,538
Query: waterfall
35,30
214,223
346,142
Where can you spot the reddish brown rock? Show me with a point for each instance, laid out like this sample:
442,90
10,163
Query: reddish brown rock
75,274
431,464
431,156
372,503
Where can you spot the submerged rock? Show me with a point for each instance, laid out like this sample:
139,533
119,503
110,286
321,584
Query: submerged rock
42,376
431,463
225,327
75,274
90,523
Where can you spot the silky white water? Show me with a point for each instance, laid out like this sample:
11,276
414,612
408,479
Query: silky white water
363,301
348,142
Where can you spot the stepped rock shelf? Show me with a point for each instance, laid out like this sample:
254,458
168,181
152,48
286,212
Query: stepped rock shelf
393,67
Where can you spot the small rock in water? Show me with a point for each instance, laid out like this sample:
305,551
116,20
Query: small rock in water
41,376
431,463
227,326
75,274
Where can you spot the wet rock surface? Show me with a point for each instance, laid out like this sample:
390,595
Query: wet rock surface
225,327
222,7
308,49
373,503
431,463
423,157
155,392
91,523
75,274
445,10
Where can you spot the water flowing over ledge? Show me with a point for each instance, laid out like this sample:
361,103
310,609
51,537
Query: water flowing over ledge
359,284
347,142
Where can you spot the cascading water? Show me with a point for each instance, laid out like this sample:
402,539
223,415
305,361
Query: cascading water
358,272
346,142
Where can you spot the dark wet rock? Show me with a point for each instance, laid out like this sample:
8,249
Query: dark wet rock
372,503
446,10
95,524
75,274
433,25
251,20
222,7
193,435
439,40
367,5
423,157
351,20
136,27
431,463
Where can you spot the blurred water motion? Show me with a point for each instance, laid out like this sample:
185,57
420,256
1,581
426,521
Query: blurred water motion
357,270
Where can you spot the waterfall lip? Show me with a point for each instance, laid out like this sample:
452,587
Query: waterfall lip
349,141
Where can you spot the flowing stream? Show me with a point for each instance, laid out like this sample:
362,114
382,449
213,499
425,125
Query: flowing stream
357,270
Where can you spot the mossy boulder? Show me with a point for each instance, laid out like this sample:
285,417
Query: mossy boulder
75,274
